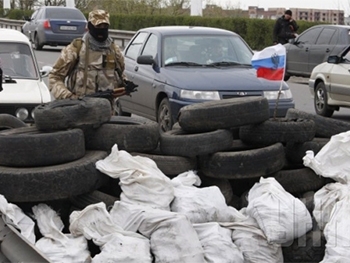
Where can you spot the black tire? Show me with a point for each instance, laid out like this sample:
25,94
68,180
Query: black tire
299,180
278,130
243,164
28,147
296,151
82,201
37,44
8,121
320,101
129,133
119,111
325,127
223,114
72,113
164,116
52,182
170,165
178,142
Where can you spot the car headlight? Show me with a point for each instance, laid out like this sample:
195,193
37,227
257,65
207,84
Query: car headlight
272,95
22,113
199,95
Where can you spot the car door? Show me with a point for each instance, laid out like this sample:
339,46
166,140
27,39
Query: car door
131,53
340,80
298,52
144,99
30,26
320,51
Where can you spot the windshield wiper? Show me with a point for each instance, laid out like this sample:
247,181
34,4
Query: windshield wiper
8,79
184,63
224,64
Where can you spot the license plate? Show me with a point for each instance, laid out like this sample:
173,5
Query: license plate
68,27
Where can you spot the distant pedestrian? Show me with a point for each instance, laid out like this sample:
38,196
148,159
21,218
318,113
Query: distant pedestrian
285,28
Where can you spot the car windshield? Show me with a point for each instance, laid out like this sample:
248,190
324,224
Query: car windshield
205,50
17,61
64,13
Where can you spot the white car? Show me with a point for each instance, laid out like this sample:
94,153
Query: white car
23,87
329,84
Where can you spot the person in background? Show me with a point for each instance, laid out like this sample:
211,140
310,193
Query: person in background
285,28
91,64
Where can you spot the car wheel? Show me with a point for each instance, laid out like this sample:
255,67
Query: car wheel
119,111
164,116
37,44
320,101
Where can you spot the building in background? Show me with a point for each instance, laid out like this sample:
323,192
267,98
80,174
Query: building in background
335,17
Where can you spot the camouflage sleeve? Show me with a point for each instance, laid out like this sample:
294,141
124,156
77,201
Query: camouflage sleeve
60,71
120,59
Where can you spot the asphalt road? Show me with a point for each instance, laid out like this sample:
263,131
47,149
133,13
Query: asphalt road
298,86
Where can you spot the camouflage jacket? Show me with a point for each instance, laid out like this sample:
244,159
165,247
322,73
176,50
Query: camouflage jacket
67,75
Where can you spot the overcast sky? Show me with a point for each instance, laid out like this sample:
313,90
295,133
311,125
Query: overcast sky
317,4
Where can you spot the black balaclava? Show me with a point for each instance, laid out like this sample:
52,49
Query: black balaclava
100,34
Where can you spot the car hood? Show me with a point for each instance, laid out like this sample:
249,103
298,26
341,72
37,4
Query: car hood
22,92
222,79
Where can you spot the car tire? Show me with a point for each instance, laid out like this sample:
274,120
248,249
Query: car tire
54,182
325,127
170,165
320,101
278,130
243,164
28,147
178,142
300,180
165,119
72,113
37,44
223,114
130,134
8,121
119,111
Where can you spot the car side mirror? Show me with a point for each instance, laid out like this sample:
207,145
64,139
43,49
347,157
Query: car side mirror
27,18
145,60
45,71
333,59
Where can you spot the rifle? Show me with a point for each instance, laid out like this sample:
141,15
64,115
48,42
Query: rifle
129,87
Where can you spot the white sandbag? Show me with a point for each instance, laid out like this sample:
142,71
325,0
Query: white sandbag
337,233
95,223
252,242
140,179
325,200
333,159
172,236
201,205
58,247
14,216
217,244
280,215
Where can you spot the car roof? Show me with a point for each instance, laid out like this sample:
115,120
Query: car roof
177,30
12,35
336,26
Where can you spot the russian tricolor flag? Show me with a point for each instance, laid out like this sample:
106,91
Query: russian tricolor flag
270,63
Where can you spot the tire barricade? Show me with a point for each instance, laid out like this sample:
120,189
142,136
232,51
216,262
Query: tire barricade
232,153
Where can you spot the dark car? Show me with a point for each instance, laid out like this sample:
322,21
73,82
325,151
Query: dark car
176,66
54,25
313,46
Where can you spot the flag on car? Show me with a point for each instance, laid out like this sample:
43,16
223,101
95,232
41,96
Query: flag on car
270,63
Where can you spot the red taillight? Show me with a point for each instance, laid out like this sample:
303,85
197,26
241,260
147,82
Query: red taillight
47,24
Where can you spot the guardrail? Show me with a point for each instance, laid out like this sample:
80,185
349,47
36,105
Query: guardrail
120,37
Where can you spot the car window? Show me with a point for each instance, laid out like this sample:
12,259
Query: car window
310,36
134,48
40,14
17,61
335,38
34,15
151,46
205,49
64,13
325,36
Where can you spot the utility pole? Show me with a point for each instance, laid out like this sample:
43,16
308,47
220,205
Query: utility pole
6,6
